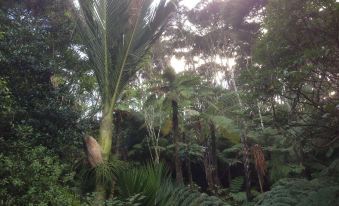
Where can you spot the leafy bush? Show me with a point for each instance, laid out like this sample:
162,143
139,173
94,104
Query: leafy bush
5,98
34,176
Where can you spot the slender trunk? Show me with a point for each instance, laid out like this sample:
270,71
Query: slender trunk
260,116
105,141
244,142
206,158
208,164
208,172
178,172
260,179
214,162
246,160
229,176
157,158
189,172
273,112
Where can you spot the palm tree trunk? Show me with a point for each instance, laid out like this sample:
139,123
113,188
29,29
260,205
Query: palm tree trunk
117,125
105,141
178,172
105,132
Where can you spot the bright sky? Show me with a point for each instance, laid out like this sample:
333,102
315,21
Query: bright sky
179,64
190,3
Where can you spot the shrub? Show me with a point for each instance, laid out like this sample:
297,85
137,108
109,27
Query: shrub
34,176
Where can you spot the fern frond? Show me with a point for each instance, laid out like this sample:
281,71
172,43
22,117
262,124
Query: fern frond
301,192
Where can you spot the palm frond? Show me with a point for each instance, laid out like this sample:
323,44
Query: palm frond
118,34
157,188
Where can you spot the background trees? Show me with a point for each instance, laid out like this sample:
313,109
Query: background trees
279,57
40,118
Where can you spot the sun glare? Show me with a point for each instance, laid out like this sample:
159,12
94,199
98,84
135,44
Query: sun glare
190,4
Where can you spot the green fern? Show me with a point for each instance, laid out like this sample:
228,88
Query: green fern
239,196
134,200
301,192
236,184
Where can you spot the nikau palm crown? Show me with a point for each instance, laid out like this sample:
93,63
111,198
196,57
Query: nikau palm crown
117,35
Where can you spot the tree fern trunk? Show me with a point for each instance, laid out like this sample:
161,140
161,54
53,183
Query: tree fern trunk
215,174
188,160
244,142
246,162
189,172
208,171
229,176
178,172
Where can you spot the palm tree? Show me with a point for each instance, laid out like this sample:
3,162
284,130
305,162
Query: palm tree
117,35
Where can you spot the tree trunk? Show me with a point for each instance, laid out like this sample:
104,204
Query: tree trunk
208,164
105,132
244,142
208,172
189,172
188,160
246,163
175,121
214,162
229,177
105,141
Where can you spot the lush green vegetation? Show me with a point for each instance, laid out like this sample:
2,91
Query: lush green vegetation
141,102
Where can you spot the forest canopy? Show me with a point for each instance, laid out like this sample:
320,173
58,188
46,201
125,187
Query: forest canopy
169,102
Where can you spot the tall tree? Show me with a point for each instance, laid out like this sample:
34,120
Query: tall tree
118,36
177,90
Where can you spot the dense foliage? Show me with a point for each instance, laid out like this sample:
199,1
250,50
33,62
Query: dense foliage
231,102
